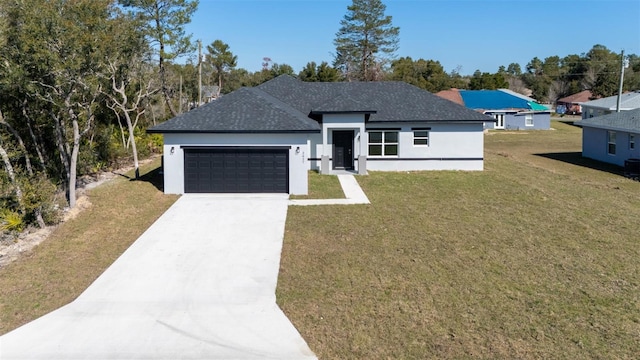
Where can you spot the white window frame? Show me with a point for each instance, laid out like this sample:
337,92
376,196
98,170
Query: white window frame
611,142
421,138
528,120
632,141
383,142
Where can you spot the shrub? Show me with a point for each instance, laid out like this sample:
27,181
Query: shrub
10,220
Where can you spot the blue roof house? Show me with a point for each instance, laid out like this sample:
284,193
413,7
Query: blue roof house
511,110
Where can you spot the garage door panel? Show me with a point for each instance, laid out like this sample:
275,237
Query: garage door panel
238,170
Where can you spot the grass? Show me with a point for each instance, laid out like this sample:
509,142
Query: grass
59,269
322,187
535,257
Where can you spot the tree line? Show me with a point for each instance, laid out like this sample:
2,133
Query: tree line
81,80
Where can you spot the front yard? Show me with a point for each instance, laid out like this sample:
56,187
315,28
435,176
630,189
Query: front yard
535,257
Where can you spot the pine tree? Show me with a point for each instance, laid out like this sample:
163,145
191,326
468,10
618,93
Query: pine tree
366,41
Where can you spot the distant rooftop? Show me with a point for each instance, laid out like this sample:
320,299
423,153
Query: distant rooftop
628,101
451,95
582,96
499,100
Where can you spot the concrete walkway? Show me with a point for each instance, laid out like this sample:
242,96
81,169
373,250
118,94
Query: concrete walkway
198,284
352,192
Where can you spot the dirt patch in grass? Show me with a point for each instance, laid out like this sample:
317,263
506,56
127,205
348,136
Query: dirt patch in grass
531,258
55,272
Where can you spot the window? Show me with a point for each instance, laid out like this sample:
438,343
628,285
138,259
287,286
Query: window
611,142
421,137
383,143
528,120
632,142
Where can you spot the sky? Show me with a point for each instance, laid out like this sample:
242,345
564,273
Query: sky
466,34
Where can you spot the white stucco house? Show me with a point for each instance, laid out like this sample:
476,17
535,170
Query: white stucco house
267,138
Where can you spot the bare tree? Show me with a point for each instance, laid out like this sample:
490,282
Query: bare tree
122,106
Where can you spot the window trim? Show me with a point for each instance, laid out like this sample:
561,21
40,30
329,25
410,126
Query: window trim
611,144
383,143
427,137
528,117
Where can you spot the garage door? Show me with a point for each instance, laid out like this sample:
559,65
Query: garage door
236,170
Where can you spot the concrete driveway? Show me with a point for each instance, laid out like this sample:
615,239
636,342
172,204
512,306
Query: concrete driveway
198,284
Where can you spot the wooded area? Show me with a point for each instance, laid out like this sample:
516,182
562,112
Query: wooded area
81,80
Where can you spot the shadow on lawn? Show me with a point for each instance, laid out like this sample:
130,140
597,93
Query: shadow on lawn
153,177
576,158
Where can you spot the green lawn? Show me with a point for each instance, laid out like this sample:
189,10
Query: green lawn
535,257
322,187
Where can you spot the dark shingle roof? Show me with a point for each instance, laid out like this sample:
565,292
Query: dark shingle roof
391,100
284,104
621,121
244,110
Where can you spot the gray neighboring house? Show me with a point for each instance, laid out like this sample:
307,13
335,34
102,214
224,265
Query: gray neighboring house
605,106
611,138
267,138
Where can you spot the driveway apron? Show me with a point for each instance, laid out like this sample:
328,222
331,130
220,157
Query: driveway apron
198,284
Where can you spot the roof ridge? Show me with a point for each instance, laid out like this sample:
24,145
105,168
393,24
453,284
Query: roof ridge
344,95
303,118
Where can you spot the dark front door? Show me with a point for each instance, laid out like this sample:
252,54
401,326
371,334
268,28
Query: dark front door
343,149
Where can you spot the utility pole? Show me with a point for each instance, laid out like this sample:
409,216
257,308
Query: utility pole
199,73
180,102
621,80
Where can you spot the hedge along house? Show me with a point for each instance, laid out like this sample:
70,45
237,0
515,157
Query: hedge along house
267,138
611,138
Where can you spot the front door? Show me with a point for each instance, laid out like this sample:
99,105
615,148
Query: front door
500,122
343,149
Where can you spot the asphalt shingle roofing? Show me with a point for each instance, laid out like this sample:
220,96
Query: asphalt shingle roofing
621,121
284,104
630,100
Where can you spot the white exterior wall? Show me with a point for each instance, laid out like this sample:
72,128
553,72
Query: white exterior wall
173,155
452,146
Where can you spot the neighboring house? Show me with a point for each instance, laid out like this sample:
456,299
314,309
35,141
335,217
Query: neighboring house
611,138
509,109
451,95
267,138
570,105
209,93
608,105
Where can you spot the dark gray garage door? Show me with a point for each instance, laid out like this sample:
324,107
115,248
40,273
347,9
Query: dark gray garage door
236,170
